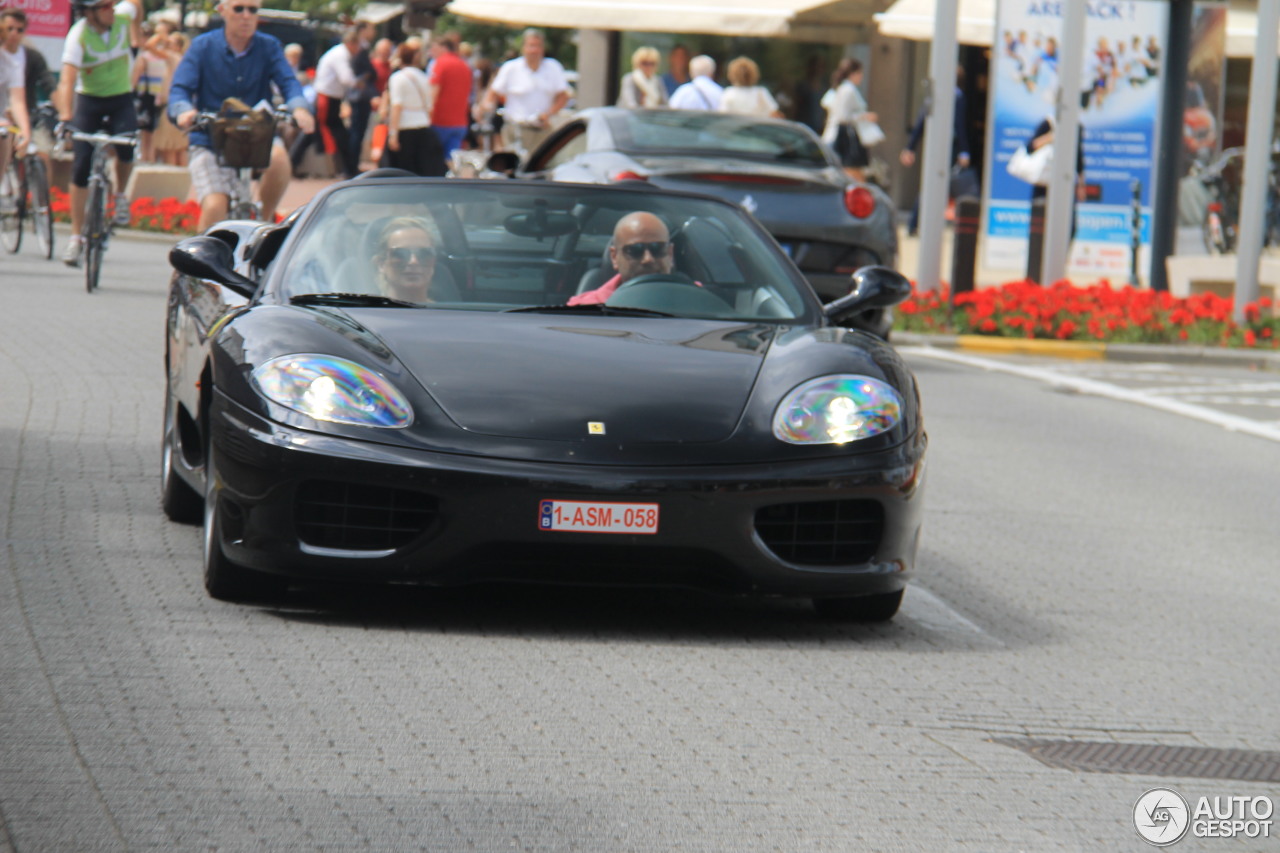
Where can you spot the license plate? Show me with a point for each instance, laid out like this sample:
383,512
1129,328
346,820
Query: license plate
597,517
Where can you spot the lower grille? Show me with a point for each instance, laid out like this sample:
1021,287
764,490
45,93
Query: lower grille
352,517
822,533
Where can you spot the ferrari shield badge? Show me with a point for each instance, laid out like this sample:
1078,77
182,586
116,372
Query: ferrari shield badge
595,427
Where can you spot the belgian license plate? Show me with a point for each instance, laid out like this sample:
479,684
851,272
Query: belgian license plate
597,517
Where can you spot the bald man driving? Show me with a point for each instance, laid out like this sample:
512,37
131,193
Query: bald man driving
641,245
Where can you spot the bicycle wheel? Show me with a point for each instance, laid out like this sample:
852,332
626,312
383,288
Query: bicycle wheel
38,205
95,236
11,221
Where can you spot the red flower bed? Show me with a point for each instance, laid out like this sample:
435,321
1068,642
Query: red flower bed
1098,312
168,215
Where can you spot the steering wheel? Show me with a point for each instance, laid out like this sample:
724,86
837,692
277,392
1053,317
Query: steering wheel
673,293
672,277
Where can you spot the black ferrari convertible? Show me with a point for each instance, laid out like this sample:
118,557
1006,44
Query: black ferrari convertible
446,382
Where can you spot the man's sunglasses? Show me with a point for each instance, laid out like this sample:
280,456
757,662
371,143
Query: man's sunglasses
17,29
403,257
635,251
245,10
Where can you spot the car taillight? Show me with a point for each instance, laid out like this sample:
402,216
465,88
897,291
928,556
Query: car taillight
859,201
628,175
1215,206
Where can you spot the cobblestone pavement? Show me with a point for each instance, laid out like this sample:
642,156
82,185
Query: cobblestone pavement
1089,572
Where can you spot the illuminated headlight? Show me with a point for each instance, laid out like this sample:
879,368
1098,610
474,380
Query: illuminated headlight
837,410
333,389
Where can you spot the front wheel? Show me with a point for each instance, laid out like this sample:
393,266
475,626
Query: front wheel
11,197
95,236
41,211
864,608
180,502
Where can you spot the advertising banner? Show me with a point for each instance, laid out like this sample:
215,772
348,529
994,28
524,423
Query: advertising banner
1119,94
47,25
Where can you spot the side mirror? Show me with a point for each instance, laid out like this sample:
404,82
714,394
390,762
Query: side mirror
872,287
211,258
504,163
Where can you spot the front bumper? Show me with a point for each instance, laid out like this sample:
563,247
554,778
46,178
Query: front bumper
311,506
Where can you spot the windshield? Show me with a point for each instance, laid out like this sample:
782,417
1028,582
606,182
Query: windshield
667,131
501,246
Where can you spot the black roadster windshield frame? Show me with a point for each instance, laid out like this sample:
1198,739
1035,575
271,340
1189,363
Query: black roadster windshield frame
502,245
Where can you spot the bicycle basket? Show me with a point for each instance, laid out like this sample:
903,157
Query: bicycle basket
243,141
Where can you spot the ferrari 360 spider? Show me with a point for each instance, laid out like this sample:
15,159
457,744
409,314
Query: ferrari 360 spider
445,382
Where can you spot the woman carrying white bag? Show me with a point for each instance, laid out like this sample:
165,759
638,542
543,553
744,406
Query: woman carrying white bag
851,128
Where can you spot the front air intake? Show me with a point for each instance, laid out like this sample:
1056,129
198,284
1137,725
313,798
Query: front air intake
822,533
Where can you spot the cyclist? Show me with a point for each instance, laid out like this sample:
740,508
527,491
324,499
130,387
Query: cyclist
95,67
13,94
236,61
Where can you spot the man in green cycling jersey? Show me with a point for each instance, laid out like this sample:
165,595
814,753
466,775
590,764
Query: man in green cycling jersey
95,93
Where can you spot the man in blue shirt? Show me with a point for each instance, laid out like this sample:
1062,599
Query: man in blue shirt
234,62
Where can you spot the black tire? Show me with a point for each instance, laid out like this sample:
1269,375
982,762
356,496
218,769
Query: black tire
180,502
224,579
11,223
95,236
38,206
864,608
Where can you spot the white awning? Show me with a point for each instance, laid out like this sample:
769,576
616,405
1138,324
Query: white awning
379,13
834,21
913,19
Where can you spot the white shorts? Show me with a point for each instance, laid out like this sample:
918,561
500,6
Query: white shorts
208,177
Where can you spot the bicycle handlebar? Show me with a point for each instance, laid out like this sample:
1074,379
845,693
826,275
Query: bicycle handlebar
204,120
102,138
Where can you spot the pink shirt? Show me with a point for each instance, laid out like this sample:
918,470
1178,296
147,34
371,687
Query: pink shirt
599,295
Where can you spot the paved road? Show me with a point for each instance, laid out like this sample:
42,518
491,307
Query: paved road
1092,571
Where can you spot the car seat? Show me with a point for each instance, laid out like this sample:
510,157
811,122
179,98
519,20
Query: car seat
597,276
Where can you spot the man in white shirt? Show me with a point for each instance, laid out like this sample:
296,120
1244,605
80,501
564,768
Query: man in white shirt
335,79
702,92
13,93
533,88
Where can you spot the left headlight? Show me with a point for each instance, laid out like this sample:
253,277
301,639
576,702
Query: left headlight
836,410
332,389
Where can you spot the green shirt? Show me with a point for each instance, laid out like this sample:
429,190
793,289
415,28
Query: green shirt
102,59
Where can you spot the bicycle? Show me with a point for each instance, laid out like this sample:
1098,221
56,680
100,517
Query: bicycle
240,203
27,181
97,224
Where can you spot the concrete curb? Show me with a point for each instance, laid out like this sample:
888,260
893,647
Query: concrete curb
1084,350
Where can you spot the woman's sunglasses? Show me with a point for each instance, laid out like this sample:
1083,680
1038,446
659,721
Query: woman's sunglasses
403,257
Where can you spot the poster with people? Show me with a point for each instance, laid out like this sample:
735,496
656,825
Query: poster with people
1119,94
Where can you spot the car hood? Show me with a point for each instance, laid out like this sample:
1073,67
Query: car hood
551,376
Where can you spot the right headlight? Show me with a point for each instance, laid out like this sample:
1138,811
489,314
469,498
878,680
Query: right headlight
836,410
332,389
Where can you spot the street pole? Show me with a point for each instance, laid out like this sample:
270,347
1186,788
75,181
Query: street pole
936,169
1257,157
1168,151
1066,139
